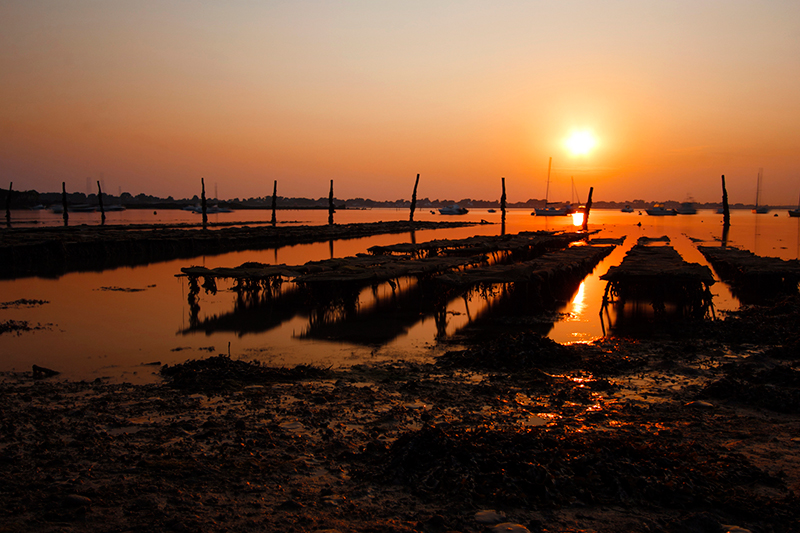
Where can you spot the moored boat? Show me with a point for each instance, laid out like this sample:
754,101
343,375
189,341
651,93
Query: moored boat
453,209
627,209
658,210
687,208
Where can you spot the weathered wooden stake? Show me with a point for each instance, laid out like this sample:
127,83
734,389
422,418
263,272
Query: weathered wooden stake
726,211
585,226
330,205
100,199
64,203
503,199
8,204
203,204
274,200
413,200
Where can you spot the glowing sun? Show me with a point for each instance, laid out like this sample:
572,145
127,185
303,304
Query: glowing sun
580,142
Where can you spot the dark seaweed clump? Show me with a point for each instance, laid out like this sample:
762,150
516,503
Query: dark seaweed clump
776,324
487,467
221,373
776,388
519,352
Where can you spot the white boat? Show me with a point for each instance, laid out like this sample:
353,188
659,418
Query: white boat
658,210
210,210
454,209
552,212
115,207
627,209
548,211
78,208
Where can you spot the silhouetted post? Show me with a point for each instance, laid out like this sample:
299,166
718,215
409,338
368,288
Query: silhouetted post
203,204
726,211
100,199
585,226
64,203
330,205
503,199
8,204
274,200
413,200
503,207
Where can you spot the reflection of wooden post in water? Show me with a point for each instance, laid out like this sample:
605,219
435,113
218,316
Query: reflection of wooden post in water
503,207
413,200
413,236
330,206
274,200
64,202
203,204
585,226
8,204
100,199
330,245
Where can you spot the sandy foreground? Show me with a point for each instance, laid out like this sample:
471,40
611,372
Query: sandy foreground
695,429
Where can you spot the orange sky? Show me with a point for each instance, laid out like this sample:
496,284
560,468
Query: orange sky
151,96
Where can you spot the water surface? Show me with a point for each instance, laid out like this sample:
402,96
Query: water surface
113,323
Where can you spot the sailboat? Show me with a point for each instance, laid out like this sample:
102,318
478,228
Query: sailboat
759,209
795,212
548,211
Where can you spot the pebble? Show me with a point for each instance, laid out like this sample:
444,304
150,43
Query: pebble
511,527
489,516
75,500
699,404
734,529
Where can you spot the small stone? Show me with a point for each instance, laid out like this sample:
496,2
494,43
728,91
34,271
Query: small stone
734,529
489,516
510,527
699,404
75,500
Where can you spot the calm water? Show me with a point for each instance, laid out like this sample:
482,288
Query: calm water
112,323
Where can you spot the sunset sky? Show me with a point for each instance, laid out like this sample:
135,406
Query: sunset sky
151,96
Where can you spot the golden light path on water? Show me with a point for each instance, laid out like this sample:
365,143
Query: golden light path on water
112,323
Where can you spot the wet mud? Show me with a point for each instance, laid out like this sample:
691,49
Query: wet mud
687,431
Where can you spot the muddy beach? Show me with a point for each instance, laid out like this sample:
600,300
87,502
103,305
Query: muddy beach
690,430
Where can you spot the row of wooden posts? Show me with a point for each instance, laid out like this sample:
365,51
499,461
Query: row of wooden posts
726,219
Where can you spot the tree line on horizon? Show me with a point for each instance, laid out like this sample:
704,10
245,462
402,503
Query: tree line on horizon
31,198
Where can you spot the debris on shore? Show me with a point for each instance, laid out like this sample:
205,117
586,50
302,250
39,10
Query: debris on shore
658,436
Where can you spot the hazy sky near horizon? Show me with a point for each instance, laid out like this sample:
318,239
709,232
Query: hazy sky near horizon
150,96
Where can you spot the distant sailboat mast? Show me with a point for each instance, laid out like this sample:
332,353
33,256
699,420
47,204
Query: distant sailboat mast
759,209
547,190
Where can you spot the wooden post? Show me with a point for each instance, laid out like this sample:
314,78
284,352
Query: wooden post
726,211
585,226
274,200
100,199
8,204
64,203
503,199
413,200
330,205
203,204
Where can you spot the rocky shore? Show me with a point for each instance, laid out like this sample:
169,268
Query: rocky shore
693,430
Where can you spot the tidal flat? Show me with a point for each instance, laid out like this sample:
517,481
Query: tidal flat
689,430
